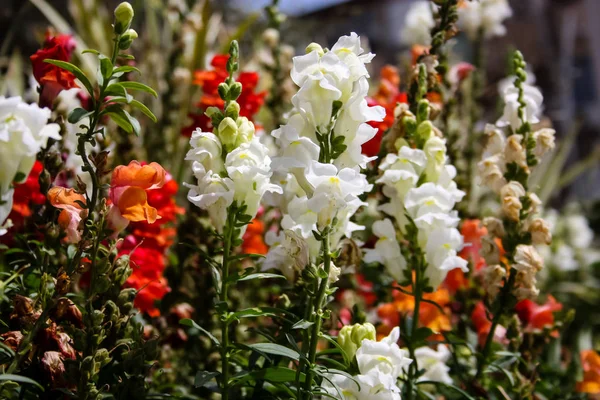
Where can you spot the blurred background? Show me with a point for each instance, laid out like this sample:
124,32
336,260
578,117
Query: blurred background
559,39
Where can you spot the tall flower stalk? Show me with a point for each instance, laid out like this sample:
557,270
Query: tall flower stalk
108,99
418,181
505,168
318,168
233,170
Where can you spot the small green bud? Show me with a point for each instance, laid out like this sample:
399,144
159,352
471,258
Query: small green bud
424,131
127,38
234,49
315,47
228,133
212,111
123,17
102,357
351,336
235,90
410,124
233,110
423,110
223,90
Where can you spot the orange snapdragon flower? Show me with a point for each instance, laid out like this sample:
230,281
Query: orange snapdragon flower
72,212
430,316
128,193
253,238
590,362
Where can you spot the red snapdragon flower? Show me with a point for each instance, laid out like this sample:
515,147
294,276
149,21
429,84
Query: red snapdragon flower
27,194
209,80
388,95
148,265
51,78
536,317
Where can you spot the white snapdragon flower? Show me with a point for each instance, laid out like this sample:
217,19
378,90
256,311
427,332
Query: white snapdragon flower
24,131
401,172
361,387
348,49
428,198
486,16
214,194
334,190
384,357
441,254
434,364
248,166
288,253
533,106
205,153
387,250
417,24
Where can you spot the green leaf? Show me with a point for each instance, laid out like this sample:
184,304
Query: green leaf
302,324
91,51
120,120
134,123
134,103
139,86
20,379
75,71
271,374
261,275
78,114
106,67
262,312
273,348
203,377
191,323
117,72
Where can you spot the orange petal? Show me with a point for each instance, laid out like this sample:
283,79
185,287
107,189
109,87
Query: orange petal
61,197
149,176
133,204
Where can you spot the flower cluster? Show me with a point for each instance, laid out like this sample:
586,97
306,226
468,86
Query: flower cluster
419,184
380,364
320,157
483,17
24,131
504,169
230,163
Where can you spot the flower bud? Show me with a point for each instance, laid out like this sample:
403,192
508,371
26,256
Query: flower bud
123,17
544,141
228,133
351,336
233,110
127,39
223,90
315,47
235,90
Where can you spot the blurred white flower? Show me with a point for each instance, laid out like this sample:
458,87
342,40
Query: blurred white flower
483,16
417,24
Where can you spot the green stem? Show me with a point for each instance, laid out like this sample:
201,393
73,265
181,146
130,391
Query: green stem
504,295
318,313
305,341
223,297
